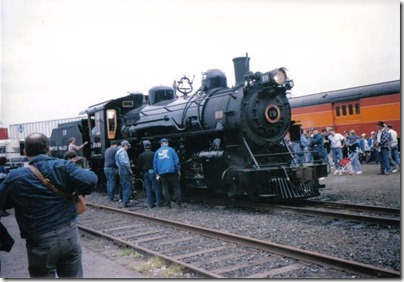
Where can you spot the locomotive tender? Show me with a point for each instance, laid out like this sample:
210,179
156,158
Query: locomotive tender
230,140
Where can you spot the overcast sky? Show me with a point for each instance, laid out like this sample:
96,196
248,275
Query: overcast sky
59,57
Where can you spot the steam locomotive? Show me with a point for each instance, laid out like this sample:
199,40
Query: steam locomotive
230,140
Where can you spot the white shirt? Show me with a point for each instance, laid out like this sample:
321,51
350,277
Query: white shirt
393,135
336,140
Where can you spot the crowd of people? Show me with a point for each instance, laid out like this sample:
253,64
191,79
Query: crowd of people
331,147
160,172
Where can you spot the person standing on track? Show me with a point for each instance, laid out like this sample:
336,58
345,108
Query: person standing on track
145,167
167,167
110,169
125,172
46,218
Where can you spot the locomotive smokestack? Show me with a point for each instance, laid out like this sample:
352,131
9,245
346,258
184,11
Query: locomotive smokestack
241,67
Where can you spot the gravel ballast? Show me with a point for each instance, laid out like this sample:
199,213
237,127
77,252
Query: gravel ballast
361,242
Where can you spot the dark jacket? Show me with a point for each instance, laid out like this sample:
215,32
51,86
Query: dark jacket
145,161
109,157
39,210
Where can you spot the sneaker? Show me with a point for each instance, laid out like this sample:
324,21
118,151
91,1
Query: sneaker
359,172
394,170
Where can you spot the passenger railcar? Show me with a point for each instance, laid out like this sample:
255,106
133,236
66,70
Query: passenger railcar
358,108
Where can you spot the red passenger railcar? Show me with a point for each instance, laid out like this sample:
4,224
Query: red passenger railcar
358,108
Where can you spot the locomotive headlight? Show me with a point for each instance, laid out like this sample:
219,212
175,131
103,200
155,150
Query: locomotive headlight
276,76
280,77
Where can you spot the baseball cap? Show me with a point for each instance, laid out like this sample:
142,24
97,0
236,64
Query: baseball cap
314,128
124,143
146,144
163,140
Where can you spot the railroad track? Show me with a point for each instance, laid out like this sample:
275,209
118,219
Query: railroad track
351,212
217,254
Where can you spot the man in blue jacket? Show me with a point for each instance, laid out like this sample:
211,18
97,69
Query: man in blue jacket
167,167
46,218
319,153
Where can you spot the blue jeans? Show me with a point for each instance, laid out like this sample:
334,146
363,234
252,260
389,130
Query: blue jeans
336,156
151,185
126,186
395,156
57,252
110,173
385,160
356,163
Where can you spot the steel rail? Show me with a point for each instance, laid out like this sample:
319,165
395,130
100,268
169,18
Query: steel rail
322,259
365,208
389,221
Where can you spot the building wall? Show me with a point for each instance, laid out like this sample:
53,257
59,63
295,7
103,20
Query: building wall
20,131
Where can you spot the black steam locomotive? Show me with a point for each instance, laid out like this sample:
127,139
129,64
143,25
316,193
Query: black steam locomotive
230,140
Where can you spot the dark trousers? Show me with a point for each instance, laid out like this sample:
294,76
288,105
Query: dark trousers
56,253
170,180
374,156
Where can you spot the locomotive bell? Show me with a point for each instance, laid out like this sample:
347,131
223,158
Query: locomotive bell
213,78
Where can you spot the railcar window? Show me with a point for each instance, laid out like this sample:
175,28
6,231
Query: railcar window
127,104
111,123
350,108
344,110
357,109
338,111
97,129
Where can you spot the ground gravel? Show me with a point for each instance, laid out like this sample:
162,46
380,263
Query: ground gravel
362,242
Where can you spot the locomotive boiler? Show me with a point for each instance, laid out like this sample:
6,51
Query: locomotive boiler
230,140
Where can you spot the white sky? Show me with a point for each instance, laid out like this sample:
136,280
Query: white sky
59,57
